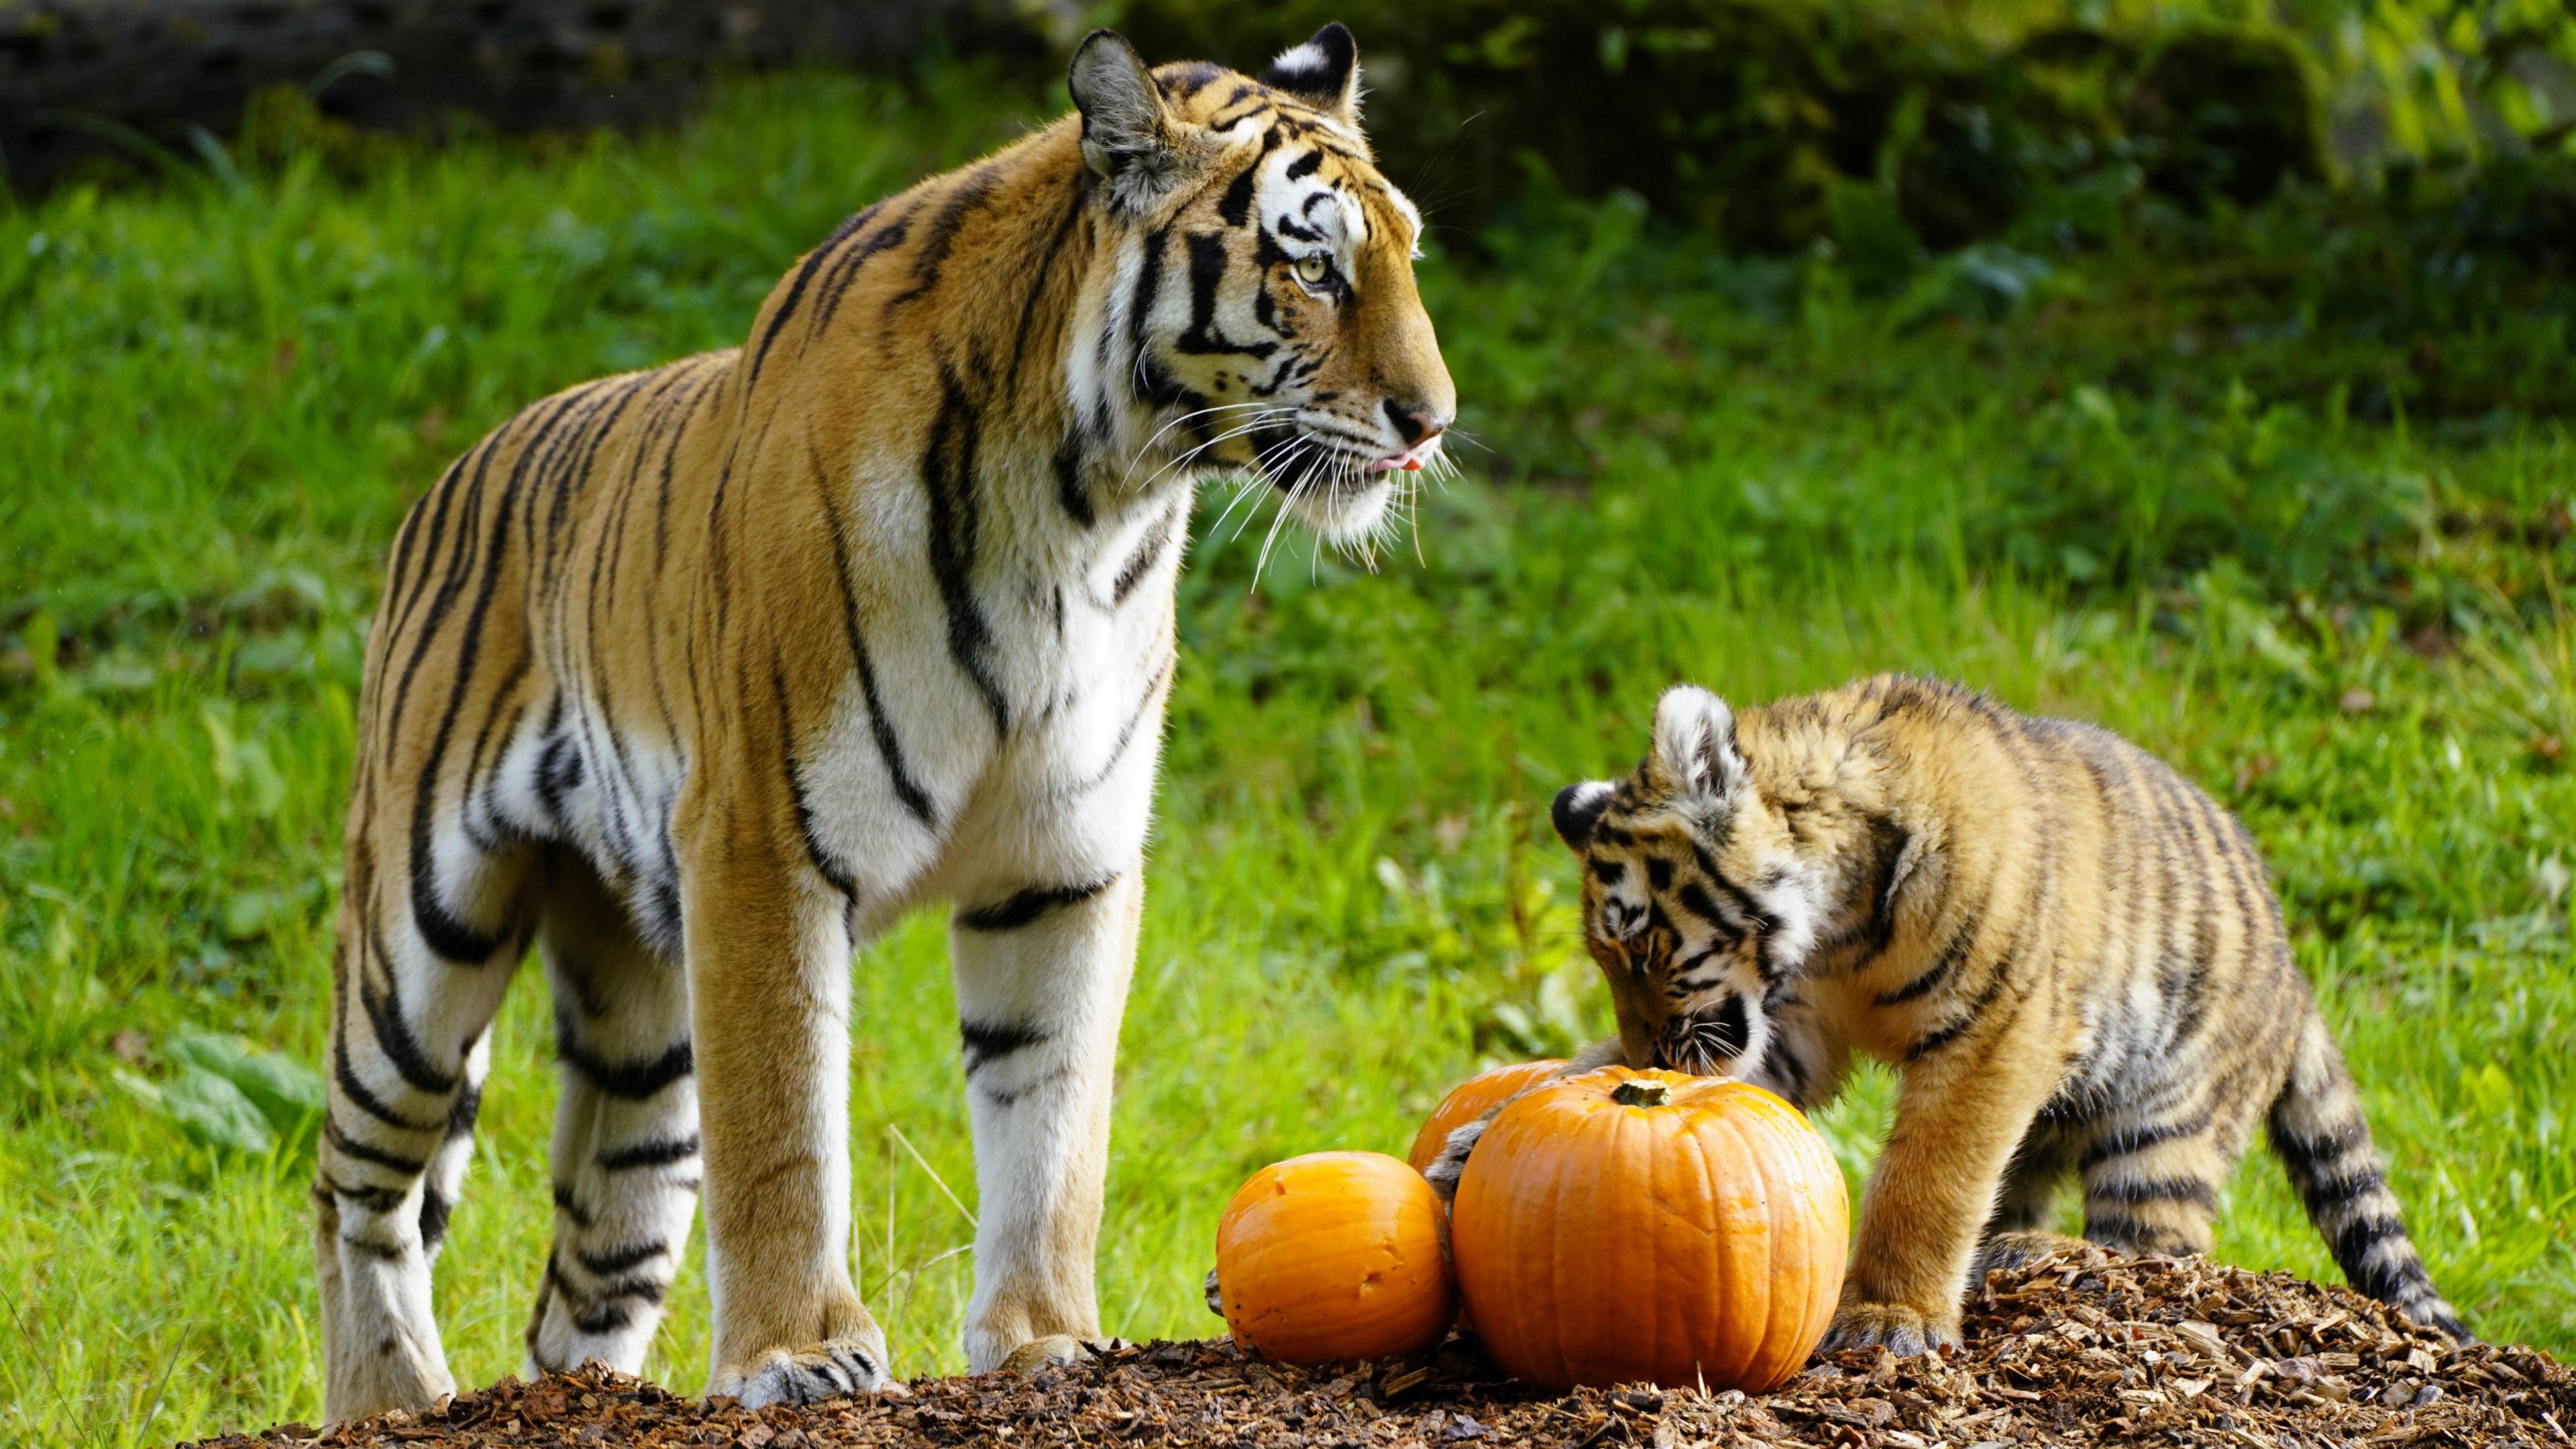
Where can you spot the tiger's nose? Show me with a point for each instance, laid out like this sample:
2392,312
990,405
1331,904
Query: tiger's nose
1414,425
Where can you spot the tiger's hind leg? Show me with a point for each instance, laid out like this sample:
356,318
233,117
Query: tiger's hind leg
2151,1177
409,1045
2017,1231
626,1168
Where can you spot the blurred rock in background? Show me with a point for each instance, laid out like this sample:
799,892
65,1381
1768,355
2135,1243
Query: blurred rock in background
124,81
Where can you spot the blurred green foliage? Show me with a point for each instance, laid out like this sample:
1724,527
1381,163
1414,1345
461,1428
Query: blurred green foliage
1748,117
1776,123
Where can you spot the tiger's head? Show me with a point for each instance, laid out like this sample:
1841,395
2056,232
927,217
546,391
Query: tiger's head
1259,311
1712,876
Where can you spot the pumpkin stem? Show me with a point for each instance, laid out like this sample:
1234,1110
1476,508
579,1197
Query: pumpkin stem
1641,1094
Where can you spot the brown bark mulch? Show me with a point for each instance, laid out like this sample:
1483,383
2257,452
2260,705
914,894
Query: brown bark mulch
2076,1350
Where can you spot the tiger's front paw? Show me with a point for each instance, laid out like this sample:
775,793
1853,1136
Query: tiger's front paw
1900,1330
1038,1353
1443,1172
2015,1250
837,1369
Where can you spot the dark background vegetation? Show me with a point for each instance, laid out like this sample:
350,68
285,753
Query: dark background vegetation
2201,369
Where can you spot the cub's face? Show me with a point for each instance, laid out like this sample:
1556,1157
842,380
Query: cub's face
1266,295
1700,896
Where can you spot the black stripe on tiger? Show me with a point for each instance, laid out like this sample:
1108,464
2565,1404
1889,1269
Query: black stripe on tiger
907,790
964,198
372,1199
884,239
434,505
1150,381
360,1096
388,1252
350,1147
435,1210
1041,272
2138,1191
1889,842
2129,1141
1208,265
1127,732
393,1033
1149,552
631,1081
439,928
1954,952
1764,923
605,1310
660,1153
445,497
1028,905
1235,207
956,518
814,261
611,1262
469,1105
1067,465
832,871
1958,1026
984,1042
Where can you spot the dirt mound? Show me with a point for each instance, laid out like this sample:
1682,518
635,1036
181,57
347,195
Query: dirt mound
2076,1350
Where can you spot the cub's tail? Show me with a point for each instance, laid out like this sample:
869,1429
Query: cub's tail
2317,1129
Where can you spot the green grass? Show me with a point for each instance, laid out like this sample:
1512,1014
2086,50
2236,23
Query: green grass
216,397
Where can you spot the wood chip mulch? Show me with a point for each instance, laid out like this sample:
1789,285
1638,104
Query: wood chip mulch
2076,1350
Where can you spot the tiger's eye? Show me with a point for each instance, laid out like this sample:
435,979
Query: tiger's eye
1312,270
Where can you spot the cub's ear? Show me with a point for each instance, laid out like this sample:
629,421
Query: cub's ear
1695,744
1577,809
1324,72
1129,139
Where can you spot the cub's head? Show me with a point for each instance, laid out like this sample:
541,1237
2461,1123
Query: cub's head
1713,874
1259,311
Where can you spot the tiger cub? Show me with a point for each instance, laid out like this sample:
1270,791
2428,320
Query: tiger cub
2072,957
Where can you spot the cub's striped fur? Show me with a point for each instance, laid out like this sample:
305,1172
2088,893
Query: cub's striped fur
2072,957
697,677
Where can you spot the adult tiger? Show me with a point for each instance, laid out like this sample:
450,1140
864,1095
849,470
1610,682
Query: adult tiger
695,677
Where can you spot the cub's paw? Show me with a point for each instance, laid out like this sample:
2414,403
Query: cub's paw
2014,1250
1038,1353
833,1370
1900,1330
1215,1295
1443,1172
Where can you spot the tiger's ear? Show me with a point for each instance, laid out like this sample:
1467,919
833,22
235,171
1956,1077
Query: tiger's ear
1695,744
1324,72
1577,809
1129,138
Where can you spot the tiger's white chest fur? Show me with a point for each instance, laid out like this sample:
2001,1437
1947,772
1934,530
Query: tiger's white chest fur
1041,765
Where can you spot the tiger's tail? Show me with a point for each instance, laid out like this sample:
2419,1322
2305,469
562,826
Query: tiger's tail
2318,1131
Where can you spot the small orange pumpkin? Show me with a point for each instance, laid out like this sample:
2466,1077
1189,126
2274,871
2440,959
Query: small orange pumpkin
1472,1099
1626,1225
1334,1255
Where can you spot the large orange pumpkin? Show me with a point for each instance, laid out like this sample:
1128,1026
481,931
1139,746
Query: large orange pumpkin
1334,1255
1626,1225
1472,1099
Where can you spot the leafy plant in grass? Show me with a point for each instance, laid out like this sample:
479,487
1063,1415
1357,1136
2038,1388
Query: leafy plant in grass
231,1093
